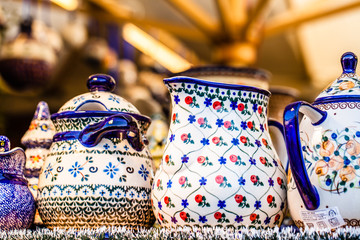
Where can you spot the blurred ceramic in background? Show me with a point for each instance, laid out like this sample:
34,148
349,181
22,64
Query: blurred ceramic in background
17,204
281,96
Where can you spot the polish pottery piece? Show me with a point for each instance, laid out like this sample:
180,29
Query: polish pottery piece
99,170
324,153
16,201
219,167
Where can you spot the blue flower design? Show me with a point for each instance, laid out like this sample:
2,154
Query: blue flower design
358,133
202,219
48,170
169,183
255,107
271,182
267,220
239,219
235,141
114,99
75,169
111,170
257,204
257,142
262,127
173,219
252,161
143,172
275,163
192,119
219,122
184,203
328,182
241,181
205,141
184,159
222,160
233,105
106,146
176,99
202,181
208,102
159,205
221,204
172,137
243,125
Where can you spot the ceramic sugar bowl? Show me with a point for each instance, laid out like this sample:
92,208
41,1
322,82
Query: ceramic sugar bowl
324,153
98,171
219,167
17,204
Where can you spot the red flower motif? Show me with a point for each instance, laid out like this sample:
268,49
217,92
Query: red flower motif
227,124
216,140
233,158
238,198
184,137
264,142
219,179
262,160
174,117
201,159
183,216
253,217
259,109
161,217
182,180
201,121
217,105
277,217
158,182
279,181
198,198
253,178
243,139
250,125
217,215
166,200
269,199
188,100
167,158
241,107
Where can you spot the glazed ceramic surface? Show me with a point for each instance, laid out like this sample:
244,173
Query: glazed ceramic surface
17,205
325,151
98,171
219,167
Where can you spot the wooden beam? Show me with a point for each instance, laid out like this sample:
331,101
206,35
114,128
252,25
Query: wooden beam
121,15
293,18
198,17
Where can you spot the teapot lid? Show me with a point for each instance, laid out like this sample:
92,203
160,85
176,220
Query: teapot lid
99,98
347,85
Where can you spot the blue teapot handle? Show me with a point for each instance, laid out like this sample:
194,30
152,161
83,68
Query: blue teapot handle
278,139
124,123
307,191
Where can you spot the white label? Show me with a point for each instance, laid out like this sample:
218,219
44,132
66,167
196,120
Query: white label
322,219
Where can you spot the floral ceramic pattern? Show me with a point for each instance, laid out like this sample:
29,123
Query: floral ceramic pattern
219,167
346,84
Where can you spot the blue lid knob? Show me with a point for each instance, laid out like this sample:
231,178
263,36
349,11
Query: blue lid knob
4,144
348,62
101,82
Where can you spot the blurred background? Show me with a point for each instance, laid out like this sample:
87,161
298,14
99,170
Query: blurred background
50,47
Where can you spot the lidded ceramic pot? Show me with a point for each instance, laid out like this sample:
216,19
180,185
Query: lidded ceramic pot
324,153
17,204
98,171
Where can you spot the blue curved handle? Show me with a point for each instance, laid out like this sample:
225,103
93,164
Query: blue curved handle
307,191
91,135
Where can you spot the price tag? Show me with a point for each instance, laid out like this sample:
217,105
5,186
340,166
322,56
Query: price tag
322,219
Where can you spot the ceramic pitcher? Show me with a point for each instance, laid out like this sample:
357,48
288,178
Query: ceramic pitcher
219,167
98,171
324,153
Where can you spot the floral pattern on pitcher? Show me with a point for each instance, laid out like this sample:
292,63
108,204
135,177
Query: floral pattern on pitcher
219,167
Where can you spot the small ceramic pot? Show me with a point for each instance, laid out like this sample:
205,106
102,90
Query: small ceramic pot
17,204
98,171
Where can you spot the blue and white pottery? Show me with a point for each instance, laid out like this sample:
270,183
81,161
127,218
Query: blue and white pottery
324,153
98,171
17,204
219,166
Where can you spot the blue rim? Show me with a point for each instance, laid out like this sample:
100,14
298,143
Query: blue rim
332,99
82,114
182,79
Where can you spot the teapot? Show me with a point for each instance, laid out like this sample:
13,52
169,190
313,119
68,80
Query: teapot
98,171
324,153
219,166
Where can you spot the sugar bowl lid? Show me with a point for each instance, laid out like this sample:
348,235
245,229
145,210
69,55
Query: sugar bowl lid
99,98
347,85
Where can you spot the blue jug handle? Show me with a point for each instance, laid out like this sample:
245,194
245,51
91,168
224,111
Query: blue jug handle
307,191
